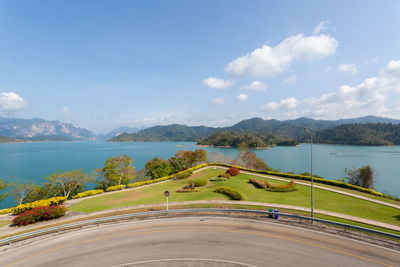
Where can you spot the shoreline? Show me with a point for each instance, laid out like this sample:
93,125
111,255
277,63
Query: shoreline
259,147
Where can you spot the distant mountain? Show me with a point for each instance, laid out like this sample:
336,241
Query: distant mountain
39,128
289,129
374,134
119,131
173,132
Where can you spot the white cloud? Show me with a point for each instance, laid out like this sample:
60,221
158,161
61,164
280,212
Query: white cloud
11,101
219,101
255,86
288,103
291,79
320,27
216,83
66,114
375,95
347,68
269,61
242,98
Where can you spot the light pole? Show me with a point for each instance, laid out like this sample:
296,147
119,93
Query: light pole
312,180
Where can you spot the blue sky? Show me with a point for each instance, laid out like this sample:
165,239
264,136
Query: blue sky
104,64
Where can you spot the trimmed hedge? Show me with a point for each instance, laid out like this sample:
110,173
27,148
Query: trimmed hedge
187,190
88,193
183,174
218,179
115,188
55,201
306,178
37,214
289,189
232,193
198,183
233,171
5,211
258,183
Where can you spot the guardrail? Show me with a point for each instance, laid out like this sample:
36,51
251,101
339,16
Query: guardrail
58,229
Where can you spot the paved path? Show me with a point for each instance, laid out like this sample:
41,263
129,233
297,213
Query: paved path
198,241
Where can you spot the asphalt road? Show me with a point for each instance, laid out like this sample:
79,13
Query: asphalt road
198,241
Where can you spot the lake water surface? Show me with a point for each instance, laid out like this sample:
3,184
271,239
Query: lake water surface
33,161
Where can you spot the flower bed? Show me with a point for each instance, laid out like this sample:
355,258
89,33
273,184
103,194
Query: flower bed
55,201
115,187
39,214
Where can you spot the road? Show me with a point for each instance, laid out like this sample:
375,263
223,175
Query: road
198,241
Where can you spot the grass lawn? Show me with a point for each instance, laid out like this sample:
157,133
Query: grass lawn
323,199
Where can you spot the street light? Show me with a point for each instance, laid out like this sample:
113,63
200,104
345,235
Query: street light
312,180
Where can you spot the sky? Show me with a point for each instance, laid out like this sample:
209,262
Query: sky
106,64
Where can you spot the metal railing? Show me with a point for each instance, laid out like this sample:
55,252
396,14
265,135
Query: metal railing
58,229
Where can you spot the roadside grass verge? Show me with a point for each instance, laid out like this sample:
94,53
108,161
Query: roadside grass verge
224,206
323,199
4,223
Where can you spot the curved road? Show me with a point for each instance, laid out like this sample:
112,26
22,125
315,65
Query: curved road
198,241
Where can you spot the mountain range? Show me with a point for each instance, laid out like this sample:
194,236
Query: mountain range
42,130
290,129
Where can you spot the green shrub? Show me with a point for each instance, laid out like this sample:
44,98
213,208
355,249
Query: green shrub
37,214
215,179
289,189
187,190
184,174
88,193
232,193
115,187
197,183
55,201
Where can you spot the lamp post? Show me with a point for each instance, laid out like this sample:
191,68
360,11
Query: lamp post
312,180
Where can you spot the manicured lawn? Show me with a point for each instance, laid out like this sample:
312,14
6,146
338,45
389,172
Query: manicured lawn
324,200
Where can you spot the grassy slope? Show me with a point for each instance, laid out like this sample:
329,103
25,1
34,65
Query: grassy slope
324,200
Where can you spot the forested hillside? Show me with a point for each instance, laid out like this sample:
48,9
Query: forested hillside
360,134
244,139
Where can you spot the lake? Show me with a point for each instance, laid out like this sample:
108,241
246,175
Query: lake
34,161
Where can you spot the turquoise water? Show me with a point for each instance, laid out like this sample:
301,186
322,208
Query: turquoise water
33,161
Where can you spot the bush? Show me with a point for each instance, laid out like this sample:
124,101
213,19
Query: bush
258,183
218,179
233,171
39,214
225,175
198,183
289,189
115,187
88,193
187,190
184,174
55,201
232,193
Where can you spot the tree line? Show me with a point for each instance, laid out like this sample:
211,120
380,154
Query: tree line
245,139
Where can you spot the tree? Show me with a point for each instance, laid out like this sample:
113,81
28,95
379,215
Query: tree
116,171
69,183
192,157
20,190
177,164
157,168
249,159
37,192
3,185
363,176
